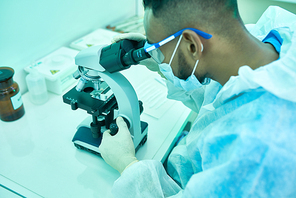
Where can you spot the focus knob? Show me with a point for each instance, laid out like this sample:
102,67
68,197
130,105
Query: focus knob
114,128
74,105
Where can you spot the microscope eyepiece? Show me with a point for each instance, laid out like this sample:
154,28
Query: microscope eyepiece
121,55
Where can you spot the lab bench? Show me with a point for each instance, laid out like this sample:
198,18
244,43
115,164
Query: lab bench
38,158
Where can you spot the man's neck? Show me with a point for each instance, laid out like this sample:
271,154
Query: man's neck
226,59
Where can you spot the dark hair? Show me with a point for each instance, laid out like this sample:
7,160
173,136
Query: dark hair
207,15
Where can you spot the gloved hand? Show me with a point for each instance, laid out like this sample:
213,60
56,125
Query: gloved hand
150,63
118,151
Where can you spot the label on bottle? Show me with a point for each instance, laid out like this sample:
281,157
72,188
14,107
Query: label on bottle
16,100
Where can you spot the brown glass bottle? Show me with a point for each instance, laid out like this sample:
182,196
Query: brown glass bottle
11,105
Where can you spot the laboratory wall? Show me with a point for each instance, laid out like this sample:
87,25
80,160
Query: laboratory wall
251,10
31,29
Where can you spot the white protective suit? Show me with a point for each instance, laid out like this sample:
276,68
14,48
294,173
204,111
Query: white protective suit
243,142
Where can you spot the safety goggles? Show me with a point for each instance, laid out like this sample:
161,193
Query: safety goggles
157,55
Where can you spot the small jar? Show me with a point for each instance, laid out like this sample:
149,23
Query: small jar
37,87
11,104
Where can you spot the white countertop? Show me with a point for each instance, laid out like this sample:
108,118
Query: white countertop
38,158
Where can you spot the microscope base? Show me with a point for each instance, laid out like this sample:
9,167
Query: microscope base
83,139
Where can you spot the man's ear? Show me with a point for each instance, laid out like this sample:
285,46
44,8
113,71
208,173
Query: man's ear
193,43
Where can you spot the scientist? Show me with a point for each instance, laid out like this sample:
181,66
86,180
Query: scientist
243,85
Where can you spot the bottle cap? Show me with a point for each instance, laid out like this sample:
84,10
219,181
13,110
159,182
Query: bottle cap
6,73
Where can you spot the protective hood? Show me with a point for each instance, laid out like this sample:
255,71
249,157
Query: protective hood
278,77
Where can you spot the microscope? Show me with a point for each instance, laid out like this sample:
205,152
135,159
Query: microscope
104,93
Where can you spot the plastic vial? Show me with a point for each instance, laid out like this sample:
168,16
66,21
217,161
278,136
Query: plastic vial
37,87
11,104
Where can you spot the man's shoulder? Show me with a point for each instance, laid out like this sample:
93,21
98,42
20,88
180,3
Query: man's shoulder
257,109
268,114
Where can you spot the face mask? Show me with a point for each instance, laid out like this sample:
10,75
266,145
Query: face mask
192,99
191,83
